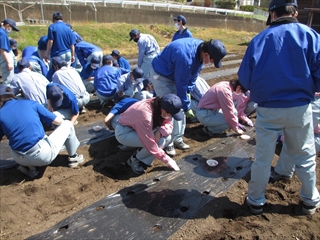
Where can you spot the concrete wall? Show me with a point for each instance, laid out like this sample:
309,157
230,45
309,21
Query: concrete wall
131,14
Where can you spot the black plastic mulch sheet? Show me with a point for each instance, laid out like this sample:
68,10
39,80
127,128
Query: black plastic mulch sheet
158,207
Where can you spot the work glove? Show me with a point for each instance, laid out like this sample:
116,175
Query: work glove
189,96
189,113
240,126
172,163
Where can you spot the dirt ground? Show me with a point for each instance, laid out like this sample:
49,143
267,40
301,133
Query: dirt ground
29,206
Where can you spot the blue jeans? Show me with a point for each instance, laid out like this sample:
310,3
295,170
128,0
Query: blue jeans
47,149
298,134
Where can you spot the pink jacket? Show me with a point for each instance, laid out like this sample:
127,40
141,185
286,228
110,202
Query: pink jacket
219,96
139,117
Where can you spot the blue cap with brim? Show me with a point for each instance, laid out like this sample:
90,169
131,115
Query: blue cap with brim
172,104
55,95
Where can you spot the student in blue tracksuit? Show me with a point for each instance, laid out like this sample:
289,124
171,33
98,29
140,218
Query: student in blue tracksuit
62,102
123,63
86,51
21,122
176,69
6,57
35,56
183,32
106,80
61,42
281,68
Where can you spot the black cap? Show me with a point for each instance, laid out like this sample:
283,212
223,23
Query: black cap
274,4
115,53
133,33
23,63
57,16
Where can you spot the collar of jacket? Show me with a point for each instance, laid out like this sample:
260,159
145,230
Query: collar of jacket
284,20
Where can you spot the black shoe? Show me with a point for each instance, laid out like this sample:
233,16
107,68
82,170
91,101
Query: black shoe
274,176
255,209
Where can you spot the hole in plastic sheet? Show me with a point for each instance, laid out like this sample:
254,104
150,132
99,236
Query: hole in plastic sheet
157,228
239,168
195,159
156,180
130,193
223,143
224,179
184,209
99,208
205,193
63,228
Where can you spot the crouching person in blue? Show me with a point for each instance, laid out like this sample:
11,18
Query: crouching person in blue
62,102
30,145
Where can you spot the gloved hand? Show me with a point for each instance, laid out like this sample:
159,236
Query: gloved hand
242,127
172,163
250,123
189,113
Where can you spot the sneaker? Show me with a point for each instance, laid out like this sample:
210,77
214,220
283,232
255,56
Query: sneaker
309,210
206,131
181,145
254,209
75,161
170,150
136,165
84,110
32,172
274,176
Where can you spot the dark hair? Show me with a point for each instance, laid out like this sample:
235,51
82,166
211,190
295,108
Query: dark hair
6,97
235,83
285,10
156,116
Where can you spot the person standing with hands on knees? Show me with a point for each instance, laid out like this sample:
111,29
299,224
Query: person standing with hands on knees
148,124
281,68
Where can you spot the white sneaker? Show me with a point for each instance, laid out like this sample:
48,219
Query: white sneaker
306,209
181,145
170,150
75,161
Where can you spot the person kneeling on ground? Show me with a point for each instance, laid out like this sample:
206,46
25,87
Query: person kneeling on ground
20,121
148,124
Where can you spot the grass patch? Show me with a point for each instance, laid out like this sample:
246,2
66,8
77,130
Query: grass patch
109,36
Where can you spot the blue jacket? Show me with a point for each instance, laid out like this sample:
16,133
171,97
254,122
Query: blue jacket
185,33
87,71
31,53
84,49
123,63
106,80
180,62
281,66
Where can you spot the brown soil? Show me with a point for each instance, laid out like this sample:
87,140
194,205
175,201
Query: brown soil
29,207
